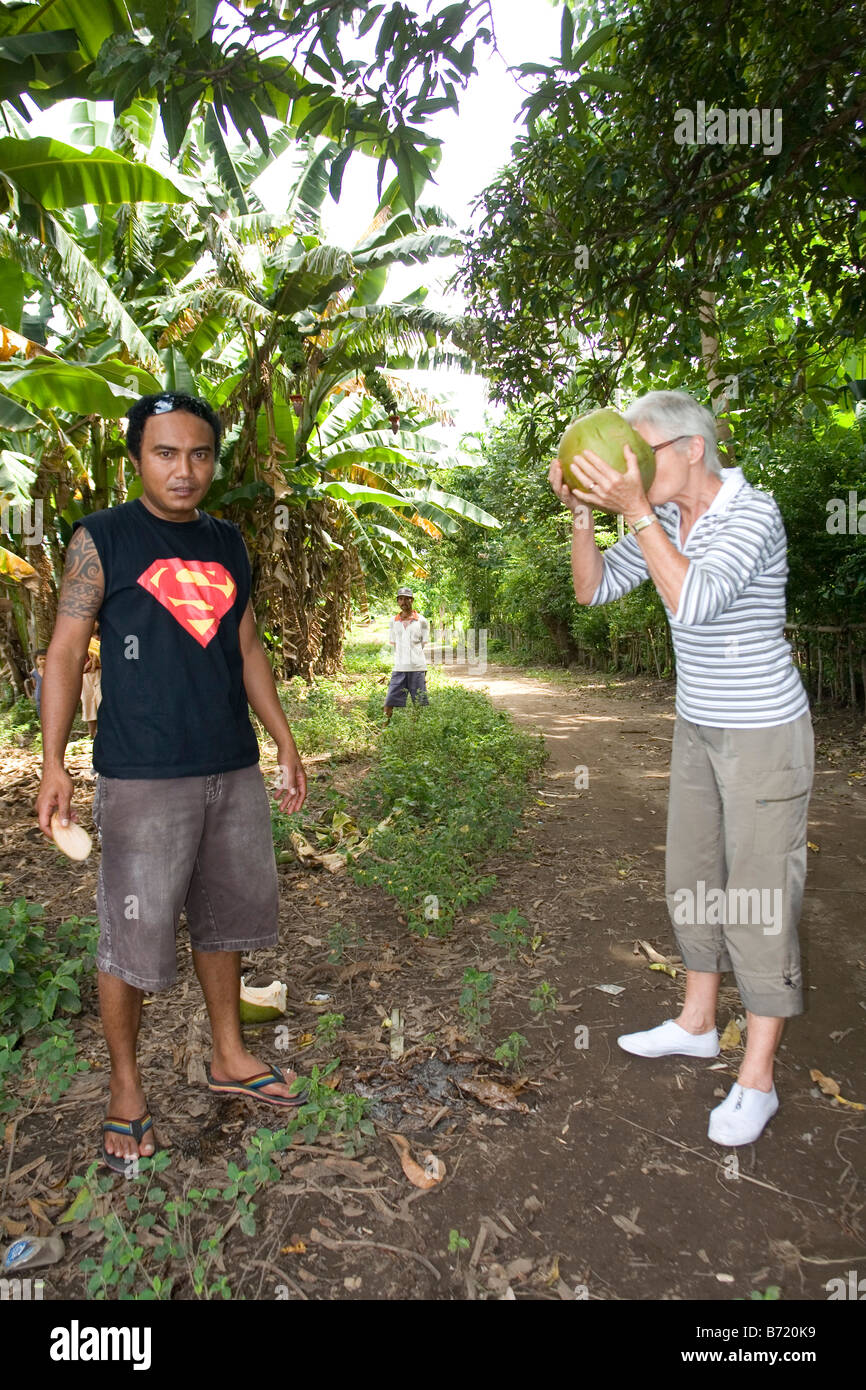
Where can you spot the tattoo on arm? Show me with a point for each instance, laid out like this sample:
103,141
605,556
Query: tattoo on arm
83,581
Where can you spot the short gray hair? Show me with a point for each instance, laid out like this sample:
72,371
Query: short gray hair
676,412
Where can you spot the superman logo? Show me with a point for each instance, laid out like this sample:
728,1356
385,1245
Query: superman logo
198,595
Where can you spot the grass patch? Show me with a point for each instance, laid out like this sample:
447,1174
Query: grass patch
453,777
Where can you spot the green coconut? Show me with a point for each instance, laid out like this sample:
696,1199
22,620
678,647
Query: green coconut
264,1004
605,433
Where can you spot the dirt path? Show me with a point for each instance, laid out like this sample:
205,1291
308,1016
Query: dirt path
602,1184
635,1198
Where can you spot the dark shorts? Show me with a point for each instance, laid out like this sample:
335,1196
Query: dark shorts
405,683
200,843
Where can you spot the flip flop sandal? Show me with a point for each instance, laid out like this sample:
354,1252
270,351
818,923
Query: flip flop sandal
136,1129
252,1086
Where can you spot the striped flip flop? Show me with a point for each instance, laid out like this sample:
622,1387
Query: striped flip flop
136,1129
252,1086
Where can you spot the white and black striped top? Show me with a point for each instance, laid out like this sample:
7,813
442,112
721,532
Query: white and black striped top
734,666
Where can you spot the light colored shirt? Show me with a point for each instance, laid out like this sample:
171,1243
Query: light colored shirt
734,666
408,640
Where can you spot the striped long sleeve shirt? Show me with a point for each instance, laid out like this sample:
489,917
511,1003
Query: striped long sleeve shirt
734,666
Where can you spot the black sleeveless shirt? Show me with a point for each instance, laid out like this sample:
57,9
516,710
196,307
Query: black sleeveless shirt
173,698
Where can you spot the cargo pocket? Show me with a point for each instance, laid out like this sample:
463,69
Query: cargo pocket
781,813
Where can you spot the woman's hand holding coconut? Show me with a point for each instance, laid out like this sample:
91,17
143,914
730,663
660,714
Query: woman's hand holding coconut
610,490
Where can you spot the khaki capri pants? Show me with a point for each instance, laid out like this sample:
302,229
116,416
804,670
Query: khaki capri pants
736,855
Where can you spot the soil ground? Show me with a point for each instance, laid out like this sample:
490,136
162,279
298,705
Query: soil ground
599,1181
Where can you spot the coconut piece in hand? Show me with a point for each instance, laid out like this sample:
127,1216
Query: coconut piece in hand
72,839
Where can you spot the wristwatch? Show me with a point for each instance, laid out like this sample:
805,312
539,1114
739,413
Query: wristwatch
642,522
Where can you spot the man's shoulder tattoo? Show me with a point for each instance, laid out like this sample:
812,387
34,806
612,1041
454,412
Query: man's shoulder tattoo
83,581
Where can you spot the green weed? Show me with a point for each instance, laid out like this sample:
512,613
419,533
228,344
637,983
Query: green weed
40,977
544,999
509,1052
474,1002
508,932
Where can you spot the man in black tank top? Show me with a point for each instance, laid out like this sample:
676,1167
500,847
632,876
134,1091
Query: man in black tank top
180,802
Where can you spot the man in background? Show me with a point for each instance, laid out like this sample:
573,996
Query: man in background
407,635
91,683
33,685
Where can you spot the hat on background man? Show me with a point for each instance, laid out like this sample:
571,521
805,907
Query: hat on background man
405,593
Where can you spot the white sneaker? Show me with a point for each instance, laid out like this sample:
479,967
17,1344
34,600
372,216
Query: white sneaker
670,1038
742,1115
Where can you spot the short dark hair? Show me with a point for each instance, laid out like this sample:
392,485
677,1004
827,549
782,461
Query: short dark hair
163,404
40,651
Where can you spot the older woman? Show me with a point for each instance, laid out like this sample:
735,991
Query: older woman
743,754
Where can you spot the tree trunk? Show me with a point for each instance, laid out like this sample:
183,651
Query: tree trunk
710,357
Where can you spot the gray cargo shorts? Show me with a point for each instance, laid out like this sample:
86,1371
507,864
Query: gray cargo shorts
403,683
736,855
200,843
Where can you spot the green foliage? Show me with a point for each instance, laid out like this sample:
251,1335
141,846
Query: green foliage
41,977
339,937
456,1242
327,1028
544,999
474,1002
804,470
508,932
453,782
193,1225
765,230
510,1051
19,724
326,719
368,658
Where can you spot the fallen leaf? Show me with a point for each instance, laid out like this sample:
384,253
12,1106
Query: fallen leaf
553,1277
13,1228
731,1038
667,969
650,952
38,1209
80,1209
831,1088
424,1178
492,1093
299,1248
826,1083
629,1223
816,849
